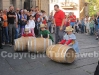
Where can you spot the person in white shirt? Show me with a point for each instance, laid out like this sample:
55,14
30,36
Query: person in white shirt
31,25
27,26
87,27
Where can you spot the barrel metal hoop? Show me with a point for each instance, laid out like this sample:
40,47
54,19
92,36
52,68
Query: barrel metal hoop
22,45
52,47
35,45
48,43
59,50
51,42
29,45
44,44
66,51
15,44
18,46
64,54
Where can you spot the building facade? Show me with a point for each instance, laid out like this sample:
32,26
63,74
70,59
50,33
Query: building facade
4,4
77,6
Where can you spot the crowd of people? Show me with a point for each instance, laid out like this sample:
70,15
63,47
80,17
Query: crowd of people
13,23
36,23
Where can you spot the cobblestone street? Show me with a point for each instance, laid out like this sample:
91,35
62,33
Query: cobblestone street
44,66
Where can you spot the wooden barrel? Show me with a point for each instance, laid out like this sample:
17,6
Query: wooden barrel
38,45
61,53
21,43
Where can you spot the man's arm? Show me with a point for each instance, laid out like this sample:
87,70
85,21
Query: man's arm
54,21
63,21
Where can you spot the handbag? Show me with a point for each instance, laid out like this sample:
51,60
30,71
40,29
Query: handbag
23,22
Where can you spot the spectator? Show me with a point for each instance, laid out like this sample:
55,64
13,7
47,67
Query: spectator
97,70
50,20
36,30
76,26
23,22
18,22
5,28
1,24
44,21
82,25
11,24
31,25
87,18
59,19
33,11
87,26
97,24
91,24
72,19
67,21
40,20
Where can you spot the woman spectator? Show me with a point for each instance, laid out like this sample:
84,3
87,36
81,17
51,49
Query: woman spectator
23,21
1,24
5,28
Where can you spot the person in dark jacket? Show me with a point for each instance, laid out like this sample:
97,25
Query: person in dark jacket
97,70
1,24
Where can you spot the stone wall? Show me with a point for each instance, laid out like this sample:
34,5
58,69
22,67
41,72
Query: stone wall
5,4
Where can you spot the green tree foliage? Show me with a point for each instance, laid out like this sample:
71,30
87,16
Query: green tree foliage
93,6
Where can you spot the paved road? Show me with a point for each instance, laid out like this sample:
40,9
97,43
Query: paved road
41,65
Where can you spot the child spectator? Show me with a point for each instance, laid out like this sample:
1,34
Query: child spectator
45,33
91,25
87,27
27,26
31,24
44,21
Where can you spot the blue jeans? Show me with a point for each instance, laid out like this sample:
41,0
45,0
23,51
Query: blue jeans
82,29
49,26
72,24
96,28
5,35
91,30
17,32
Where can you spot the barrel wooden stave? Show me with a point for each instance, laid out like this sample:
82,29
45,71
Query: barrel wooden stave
58,53
21,44
38,45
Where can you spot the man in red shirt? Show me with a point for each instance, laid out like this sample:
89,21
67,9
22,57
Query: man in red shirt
59,19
